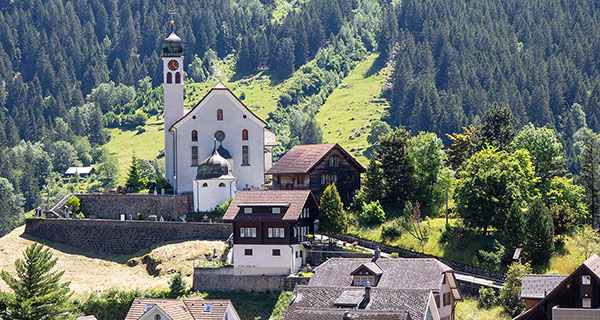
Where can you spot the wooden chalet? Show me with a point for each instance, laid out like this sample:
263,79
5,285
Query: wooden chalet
572,297
314,167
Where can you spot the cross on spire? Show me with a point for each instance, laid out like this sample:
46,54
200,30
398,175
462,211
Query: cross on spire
172,13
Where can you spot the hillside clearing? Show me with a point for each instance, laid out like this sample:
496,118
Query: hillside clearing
348,112
89,271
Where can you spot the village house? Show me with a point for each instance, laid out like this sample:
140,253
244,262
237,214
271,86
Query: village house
387,287
314,167
269,228
572,297
194,308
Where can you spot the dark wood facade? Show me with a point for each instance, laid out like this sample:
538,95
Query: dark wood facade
335,167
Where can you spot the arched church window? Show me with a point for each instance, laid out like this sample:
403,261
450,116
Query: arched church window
205,185
219,114
169,77
244,134
177,77
221,185
194,135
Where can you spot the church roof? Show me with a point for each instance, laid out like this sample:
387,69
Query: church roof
215,166
218,87
172,45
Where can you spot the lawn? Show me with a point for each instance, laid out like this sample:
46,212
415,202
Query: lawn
467,310
249,306
348,112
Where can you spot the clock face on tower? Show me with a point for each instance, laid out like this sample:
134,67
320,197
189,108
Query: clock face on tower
173,65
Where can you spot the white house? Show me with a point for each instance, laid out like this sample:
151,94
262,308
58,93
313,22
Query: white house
241,136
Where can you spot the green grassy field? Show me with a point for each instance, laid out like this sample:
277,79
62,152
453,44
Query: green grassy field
467,310
251,305
348,112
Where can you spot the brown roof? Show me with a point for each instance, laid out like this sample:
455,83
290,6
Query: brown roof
184,309
270,138
406,273
296,199
302,158
218,87
310,302
537,286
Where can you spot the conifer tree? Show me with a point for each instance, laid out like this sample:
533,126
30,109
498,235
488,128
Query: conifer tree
514,228
38,293
134,176
332,217
393,154
499,128
374,181
539,239
590,175
177,285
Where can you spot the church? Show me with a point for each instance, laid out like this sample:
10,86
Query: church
217,147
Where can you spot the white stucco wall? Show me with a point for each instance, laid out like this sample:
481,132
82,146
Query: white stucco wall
232,125
262,260
207,198
432,311
445,310
173,111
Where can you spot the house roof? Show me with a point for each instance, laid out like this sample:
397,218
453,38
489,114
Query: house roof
79,170
371,266
592,265
537,286
270,138
296,199
184,309
406,273
302,158
86,318
218,87
312,302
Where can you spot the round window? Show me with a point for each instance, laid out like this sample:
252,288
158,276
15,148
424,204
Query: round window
220,135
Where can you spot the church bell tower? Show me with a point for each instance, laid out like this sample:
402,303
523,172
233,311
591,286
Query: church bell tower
172,58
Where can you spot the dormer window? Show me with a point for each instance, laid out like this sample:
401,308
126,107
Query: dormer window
363,281
586,280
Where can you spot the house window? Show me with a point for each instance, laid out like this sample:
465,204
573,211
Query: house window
276,232
278,179
247,252
334,161
300,179
295,232
208,307
328,178
446,299
586,280
296,254
245,161
177,77
169,77
276,252
244,134
362,281
247,210
221,185
194,135
194,156
437,300
586,303
247,232
276,210
219,115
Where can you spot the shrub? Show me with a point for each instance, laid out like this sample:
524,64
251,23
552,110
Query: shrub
372,214
177,285
140,129
391,231
493,256
74,205
487,298
394,255
510,294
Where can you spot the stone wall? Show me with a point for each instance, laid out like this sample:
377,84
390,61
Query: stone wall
223,279
111,206
405,253
122,236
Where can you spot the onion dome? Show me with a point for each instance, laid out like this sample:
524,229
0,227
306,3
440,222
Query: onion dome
172,45
215,166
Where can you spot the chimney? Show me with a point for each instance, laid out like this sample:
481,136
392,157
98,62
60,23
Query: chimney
376,255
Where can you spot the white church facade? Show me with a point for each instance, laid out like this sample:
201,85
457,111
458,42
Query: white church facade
219,127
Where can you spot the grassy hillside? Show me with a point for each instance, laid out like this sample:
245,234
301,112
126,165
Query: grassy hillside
90,271
346,115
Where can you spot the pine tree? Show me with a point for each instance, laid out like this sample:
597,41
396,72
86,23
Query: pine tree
510,294
38,293
177,285
374,181
539,239
393,155
332,217
590,175
514,229
134,176
499,128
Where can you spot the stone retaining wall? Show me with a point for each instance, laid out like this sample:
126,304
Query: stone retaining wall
223,279
111,206
405,253
123,236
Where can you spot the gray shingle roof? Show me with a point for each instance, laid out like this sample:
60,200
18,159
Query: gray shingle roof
310,302
537,286
403,273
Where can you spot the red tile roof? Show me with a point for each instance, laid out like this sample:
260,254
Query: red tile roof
302,158
185,309
296,198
